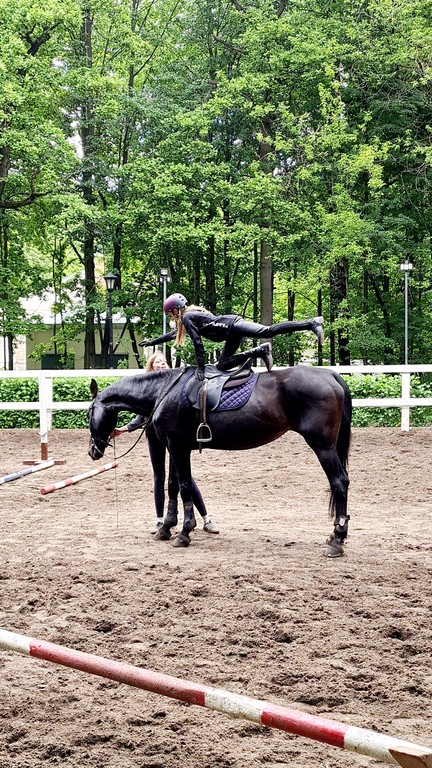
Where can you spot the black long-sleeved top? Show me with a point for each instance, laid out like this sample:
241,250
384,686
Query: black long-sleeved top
136,423
201,325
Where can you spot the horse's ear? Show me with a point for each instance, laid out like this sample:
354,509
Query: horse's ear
93,388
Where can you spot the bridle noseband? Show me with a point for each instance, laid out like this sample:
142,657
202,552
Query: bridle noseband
101,441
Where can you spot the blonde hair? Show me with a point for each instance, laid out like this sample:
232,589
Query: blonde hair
181,330
151,359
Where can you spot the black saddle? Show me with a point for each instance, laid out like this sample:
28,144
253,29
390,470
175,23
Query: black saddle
217,381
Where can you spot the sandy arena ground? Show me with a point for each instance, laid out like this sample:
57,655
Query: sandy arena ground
256,609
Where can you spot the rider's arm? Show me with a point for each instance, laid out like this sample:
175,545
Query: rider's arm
160,339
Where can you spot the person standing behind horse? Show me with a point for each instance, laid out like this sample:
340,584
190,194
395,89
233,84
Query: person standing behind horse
199,323
157,451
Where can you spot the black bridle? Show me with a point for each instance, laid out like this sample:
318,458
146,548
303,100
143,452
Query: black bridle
107,443
101,441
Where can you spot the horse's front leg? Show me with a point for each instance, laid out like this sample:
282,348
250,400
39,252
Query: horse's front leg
182,463
171,518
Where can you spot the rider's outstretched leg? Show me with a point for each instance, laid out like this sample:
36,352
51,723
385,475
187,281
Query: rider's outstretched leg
315,324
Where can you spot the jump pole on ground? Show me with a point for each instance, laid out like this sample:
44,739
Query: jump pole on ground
77,478
29,471
361,740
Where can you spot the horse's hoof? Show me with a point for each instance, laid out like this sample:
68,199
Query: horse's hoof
181,541
334,550
161,535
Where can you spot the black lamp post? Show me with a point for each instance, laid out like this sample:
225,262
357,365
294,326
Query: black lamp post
110,281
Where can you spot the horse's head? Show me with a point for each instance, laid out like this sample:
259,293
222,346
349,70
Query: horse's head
102,420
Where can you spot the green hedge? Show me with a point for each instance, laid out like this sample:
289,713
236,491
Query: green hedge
69,390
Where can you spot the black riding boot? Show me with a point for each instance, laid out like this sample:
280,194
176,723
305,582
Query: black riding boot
263,352
315,324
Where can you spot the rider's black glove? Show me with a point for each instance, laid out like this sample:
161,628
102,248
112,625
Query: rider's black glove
199,374
145,343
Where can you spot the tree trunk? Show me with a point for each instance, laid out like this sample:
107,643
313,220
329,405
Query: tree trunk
4,253
87,136
266,261
291,307
255,283
320,311
266,281
338,296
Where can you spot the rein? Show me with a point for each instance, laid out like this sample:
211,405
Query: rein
112,445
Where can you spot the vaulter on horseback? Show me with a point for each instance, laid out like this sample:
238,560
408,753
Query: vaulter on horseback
199,323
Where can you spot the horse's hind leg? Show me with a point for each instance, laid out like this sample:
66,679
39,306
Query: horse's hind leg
337,537
339,482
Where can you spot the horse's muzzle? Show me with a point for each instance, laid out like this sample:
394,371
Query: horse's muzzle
94,451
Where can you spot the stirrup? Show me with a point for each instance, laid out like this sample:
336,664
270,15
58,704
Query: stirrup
204,437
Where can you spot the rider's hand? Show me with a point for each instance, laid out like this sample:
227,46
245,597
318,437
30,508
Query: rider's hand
199,374
145,343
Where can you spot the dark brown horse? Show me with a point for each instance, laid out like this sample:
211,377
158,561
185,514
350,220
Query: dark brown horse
314,402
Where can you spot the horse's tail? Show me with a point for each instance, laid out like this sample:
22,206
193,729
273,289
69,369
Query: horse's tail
344,438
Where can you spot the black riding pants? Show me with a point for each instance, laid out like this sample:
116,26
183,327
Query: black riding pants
244,328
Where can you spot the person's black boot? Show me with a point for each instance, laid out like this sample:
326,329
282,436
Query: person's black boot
265,353
318,329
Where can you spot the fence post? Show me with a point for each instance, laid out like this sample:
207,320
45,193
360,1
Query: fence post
45,413
405,410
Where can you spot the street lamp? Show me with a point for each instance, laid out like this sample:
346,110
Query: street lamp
110,281
406,267
164,278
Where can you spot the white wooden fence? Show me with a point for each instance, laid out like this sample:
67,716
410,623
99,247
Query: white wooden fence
46,405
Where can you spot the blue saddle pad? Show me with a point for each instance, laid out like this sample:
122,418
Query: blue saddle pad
223,394
236,397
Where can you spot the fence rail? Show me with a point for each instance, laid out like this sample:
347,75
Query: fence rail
46,404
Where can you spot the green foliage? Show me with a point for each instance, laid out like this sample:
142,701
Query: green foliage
186,134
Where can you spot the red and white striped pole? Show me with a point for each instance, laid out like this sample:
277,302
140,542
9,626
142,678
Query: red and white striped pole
77,478
360,740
